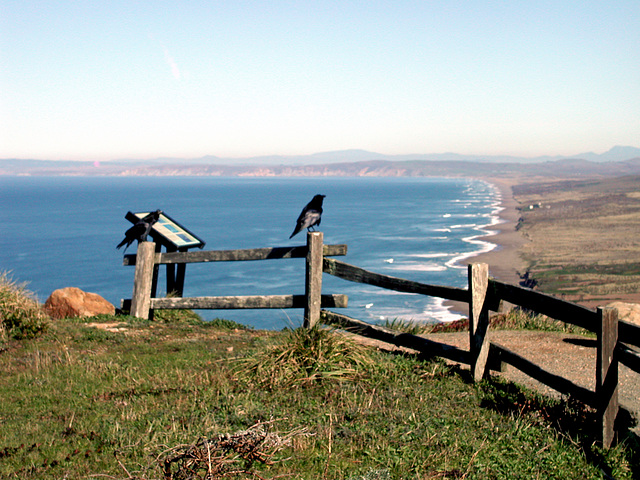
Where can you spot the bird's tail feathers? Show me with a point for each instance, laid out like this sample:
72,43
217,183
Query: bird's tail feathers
126,244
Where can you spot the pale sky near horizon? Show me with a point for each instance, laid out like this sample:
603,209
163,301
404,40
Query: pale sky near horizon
101,80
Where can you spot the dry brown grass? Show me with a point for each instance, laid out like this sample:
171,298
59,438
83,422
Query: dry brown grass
583,235
21,316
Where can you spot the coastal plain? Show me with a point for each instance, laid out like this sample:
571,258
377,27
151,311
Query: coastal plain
573,238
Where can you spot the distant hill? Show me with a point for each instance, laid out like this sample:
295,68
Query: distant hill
616,162
617,153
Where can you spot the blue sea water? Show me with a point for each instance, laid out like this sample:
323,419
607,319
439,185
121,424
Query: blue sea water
62,231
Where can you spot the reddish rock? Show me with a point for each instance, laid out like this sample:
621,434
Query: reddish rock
73,302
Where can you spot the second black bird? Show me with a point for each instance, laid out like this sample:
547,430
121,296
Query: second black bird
310,216
140,229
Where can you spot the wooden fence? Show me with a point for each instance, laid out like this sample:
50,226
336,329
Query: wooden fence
147,261
483,295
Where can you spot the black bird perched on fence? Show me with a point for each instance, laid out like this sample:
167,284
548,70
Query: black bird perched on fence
140,230
311,215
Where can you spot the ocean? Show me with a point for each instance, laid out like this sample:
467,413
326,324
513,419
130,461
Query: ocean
62,231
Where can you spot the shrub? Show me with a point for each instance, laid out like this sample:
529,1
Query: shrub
306,357
21,316
407,326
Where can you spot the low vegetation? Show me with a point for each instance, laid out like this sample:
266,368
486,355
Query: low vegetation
301,357
513,319
583,237
120,398
180,398
21,316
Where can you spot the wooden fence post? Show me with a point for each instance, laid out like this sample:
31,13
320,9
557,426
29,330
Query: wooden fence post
607,374
143,280
478,319
313,278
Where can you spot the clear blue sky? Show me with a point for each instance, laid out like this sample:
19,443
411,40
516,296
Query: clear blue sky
99,80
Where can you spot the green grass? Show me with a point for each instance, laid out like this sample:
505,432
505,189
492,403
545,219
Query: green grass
406,326
514,319
82,402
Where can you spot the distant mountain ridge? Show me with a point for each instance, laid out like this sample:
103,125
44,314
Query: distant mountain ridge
617,153
617,161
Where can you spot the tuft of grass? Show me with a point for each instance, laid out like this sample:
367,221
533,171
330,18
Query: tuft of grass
177,316
21,316
307,356
407,326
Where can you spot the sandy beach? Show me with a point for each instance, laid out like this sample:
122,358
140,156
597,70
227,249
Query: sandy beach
504,260
607,242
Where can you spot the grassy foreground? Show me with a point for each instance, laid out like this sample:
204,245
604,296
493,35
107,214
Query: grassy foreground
196,400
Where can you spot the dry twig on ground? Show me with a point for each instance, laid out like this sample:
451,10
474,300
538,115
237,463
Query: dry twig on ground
220,456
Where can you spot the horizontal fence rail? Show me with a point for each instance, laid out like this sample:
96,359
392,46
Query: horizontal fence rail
544,304
360,275
147,260
629,333
240,302
629,358
426,346
274,253
486,294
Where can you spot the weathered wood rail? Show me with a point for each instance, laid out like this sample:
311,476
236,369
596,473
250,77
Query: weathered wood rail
483,295
147,260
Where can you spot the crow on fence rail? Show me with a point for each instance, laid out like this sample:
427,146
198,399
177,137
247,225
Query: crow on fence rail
311,215
140,230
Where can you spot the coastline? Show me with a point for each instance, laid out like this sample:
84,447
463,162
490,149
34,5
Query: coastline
505,263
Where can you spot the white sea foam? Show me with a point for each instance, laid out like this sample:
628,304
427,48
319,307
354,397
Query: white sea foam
430,255
383,291
463,225
441,312
484,245
434,311
419,267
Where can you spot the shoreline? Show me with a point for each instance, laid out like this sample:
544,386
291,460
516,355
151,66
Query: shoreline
505,263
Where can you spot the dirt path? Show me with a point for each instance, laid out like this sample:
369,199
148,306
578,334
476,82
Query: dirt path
571,356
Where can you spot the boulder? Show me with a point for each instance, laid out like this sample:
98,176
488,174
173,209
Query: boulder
629,312
73,302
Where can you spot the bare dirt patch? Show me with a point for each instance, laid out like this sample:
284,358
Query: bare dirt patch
115,327
568,355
